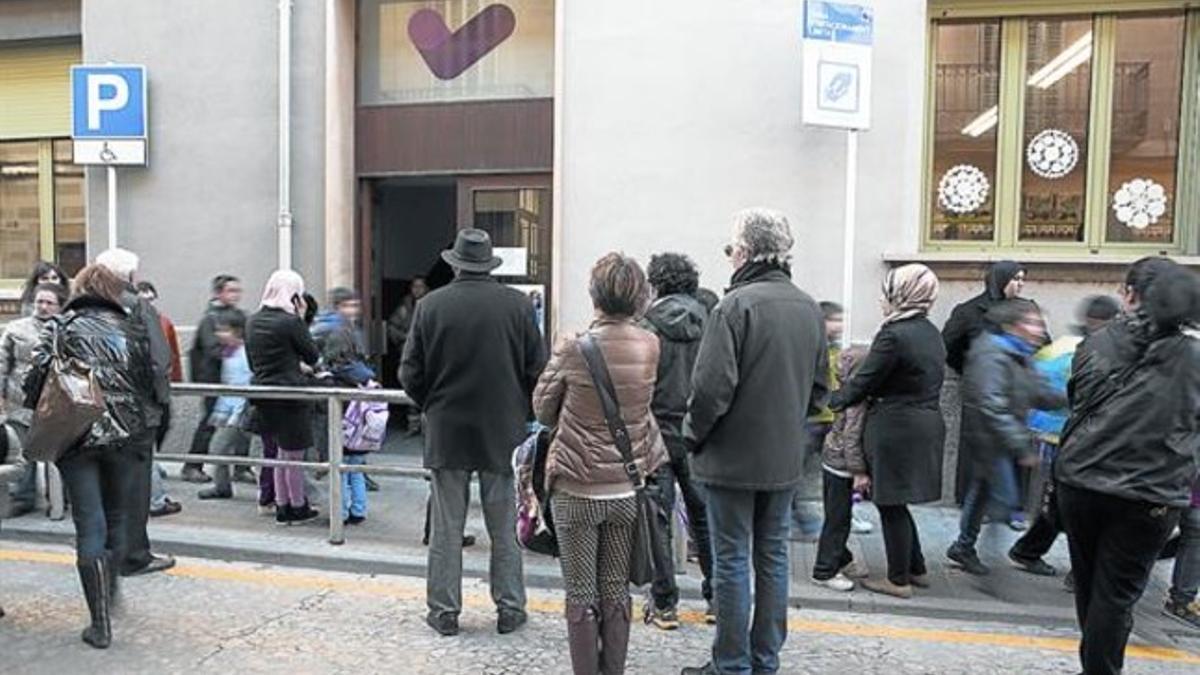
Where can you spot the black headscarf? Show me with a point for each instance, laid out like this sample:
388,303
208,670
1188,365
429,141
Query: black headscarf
998,276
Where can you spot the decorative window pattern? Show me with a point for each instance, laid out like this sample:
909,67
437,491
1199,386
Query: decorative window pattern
1059,132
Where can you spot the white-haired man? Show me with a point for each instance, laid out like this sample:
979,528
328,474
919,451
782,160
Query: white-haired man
761,372
138,558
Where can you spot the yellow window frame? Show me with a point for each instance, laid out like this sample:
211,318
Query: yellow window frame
47,250
1010,132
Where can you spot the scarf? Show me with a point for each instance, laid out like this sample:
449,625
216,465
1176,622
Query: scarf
909,292
754,270
282,289
1013,344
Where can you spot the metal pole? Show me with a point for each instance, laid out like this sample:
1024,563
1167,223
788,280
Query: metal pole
284,224
848,241
112,207
334,429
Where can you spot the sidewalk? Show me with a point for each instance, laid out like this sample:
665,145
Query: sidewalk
390,543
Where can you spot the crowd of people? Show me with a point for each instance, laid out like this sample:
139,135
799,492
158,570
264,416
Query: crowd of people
670,396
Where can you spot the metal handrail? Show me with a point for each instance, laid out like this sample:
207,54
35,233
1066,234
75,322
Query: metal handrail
291,393
334,397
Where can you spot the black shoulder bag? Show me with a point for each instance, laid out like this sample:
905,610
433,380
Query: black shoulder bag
641,565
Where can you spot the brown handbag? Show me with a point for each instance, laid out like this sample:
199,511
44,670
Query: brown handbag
70,402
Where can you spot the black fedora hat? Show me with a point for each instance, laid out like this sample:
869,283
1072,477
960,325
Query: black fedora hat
472,252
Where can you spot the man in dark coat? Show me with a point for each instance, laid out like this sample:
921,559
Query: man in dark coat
762,370
1000,388
138,558
1003,280
205,361
471,360
677,318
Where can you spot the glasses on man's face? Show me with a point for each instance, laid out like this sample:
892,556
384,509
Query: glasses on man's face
728,250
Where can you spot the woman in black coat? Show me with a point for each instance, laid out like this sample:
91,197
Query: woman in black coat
901,379
99,472
1004,280
281,352
1128,456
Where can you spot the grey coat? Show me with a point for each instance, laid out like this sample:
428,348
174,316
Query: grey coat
1000,388
901,379
763,368
12,463
16,357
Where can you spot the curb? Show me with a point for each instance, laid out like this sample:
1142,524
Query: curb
544,575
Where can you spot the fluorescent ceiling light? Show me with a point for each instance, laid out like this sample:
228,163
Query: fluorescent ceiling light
980,125
1062,65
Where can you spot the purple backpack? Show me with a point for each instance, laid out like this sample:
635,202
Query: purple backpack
535,525
364,425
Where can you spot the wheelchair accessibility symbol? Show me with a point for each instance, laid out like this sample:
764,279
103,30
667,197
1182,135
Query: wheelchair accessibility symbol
838,86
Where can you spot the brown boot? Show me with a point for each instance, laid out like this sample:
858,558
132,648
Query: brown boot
614,635
583,637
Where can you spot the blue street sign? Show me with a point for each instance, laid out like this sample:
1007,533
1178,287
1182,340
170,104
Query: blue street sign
108,102
838,22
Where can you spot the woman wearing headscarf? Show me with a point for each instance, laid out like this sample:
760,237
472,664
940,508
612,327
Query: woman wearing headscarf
1129,451
1004,280
281,350
901,380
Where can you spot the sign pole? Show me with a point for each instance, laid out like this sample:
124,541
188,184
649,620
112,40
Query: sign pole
848,241
112,207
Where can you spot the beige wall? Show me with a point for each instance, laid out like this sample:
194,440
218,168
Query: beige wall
675,114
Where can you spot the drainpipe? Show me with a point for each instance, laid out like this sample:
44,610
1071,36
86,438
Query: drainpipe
284,224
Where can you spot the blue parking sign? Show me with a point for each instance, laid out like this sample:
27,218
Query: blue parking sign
108,102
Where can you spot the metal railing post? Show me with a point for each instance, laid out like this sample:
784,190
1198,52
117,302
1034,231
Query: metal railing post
334,431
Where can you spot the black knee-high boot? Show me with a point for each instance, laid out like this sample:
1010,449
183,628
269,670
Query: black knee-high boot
95,575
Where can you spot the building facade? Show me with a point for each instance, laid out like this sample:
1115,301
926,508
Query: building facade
1061,133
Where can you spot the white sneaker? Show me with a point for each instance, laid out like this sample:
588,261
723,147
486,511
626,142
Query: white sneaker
838,583
861,526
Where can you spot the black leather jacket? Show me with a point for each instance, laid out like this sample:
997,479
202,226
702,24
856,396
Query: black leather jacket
1134,430
105,336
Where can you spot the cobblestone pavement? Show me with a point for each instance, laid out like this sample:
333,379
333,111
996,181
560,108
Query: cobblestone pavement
213,617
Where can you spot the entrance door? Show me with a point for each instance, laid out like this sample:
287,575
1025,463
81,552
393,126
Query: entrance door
516,212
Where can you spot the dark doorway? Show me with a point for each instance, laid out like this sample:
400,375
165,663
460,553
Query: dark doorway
414,221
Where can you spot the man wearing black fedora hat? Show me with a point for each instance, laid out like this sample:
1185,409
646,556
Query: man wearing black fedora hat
471,360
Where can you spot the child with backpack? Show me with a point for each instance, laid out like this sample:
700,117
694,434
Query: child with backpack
843,470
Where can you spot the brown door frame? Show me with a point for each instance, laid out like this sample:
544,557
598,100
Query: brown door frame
366,246
468,185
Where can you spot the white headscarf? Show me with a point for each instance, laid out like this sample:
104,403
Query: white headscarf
282,289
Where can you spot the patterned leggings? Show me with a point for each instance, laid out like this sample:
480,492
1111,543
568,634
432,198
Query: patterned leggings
595,537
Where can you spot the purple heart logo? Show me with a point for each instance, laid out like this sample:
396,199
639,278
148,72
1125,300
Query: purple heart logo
449,54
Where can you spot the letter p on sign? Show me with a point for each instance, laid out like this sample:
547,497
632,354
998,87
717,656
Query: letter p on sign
98,102
108,102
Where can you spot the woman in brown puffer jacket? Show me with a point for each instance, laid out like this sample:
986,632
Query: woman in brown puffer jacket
592,499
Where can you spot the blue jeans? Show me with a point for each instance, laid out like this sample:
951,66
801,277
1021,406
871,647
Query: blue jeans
749,525
995,493
98,484
354,487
